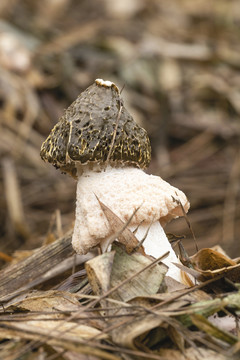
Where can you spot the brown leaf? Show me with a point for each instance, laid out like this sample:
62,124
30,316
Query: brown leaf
121,232
210,263
230,272
42,301
67,330
209,259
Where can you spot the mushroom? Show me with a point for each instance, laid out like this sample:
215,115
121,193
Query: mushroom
97,141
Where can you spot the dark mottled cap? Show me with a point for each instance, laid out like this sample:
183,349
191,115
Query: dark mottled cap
84,133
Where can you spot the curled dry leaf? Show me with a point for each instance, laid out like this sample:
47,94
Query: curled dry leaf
209,259
210,263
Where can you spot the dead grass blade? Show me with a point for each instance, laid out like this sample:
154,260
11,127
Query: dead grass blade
203,324
19,277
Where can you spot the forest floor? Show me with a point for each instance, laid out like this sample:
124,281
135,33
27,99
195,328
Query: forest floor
178,65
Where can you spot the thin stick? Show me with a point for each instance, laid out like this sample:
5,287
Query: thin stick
144,237
187,221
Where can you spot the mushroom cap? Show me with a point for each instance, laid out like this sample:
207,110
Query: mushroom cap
84,133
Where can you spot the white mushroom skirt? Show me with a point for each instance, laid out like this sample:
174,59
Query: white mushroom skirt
123,190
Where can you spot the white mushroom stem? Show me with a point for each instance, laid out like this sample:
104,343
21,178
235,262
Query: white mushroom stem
156,244
123,190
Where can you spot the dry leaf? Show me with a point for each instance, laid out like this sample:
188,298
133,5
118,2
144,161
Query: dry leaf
99,272
124,235
210,263
65,335
176,338
60,329
209,259
124,266
49,301
118,266
127,334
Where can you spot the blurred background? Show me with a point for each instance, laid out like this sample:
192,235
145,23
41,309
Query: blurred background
179,64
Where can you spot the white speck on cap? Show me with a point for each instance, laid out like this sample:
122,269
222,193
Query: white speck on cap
106,83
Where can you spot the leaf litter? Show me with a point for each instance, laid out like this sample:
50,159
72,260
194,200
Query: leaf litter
188,74
126,305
